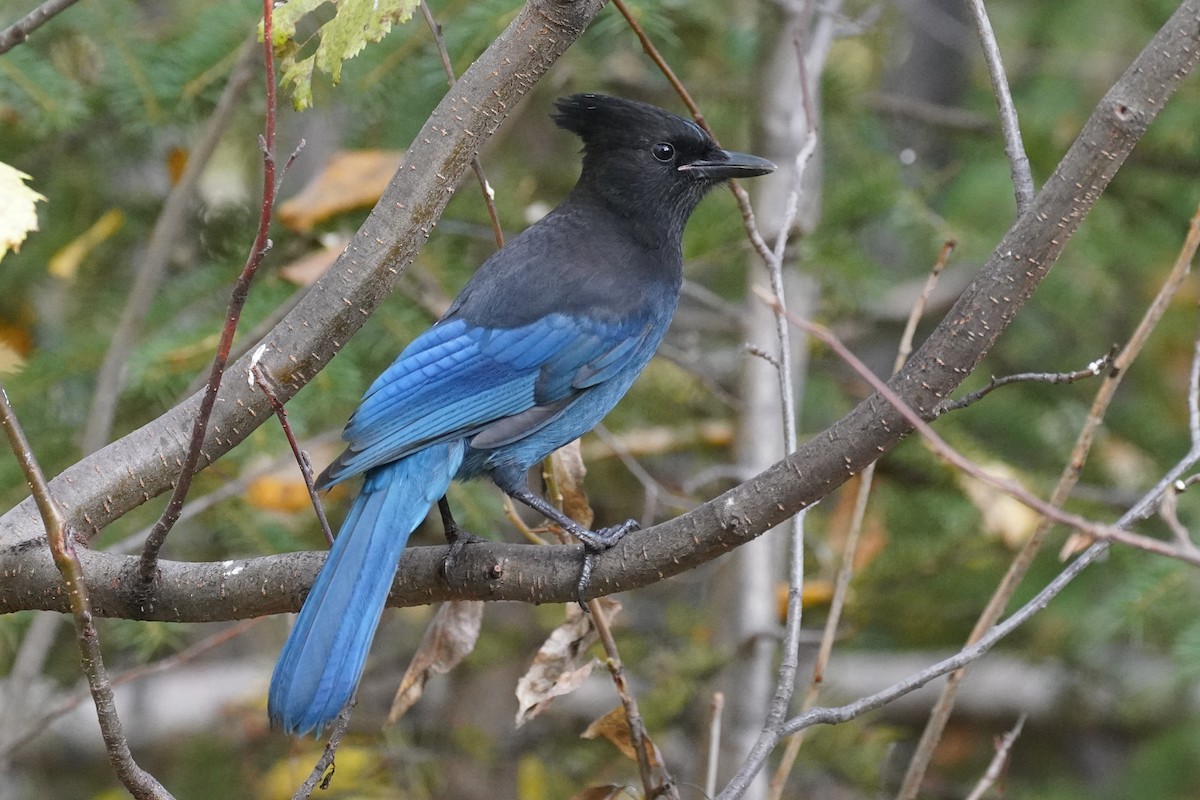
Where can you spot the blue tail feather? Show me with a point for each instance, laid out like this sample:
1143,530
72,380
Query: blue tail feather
324,656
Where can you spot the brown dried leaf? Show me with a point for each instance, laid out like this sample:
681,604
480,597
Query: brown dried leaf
1002,515
352,179
450,637
568,470
305,270
561,664
614,726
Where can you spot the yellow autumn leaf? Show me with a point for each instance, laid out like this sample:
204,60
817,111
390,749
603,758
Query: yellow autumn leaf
10,360
285,492
18,213
65,263
358,772
354,25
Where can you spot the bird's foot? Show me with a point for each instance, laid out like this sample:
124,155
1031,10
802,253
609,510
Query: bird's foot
594,543
457,540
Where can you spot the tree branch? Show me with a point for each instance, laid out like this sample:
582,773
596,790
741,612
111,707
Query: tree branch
100,489
128,472
19,31
141,784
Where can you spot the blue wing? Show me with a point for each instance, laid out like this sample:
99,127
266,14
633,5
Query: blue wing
495,384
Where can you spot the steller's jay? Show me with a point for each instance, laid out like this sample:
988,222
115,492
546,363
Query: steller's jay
540,345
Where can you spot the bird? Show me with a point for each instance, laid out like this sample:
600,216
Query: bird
541,343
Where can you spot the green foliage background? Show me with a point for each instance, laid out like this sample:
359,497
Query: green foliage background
93,106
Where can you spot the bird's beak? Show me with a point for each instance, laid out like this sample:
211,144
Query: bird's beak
730,165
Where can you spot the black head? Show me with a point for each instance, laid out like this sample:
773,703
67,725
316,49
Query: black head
646,161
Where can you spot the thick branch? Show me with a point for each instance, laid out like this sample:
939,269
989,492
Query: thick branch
129,472
273,584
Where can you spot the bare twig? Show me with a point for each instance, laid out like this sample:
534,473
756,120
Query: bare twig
260,379
743,199
322,771
918,310
1067,480
140,783
850,548
942,448
170,224
711,761
237,301
633,717
806,46
999,761
489,196
819,716
1022,177
189,653
840,714
19,31
1097,367
985,642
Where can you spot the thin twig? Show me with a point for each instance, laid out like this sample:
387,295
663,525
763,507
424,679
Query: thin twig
850,549
171,662
942,448
918,310
259,378
323,770
1097,367
237,301
712,759
839,714
18,32
1022,177
1067,480
141,784
789,660
985,642
171,223
489,196
633,718
999,761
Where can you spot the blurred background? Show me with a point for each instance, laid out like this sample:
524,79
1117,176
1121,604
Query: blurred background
105,105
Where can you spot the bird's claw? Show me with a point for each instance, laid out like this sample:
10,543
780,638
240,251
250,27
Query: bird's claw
456,541
601,540
594,543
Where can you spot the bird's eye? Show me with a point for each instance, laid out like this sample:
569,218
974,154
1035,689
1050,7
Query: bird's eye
663,151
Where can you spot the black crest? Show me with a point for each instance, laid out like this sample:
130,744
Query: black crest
599,119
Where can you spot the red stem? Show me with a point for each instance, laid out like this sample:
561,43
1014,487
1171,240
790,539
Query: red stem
148,565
